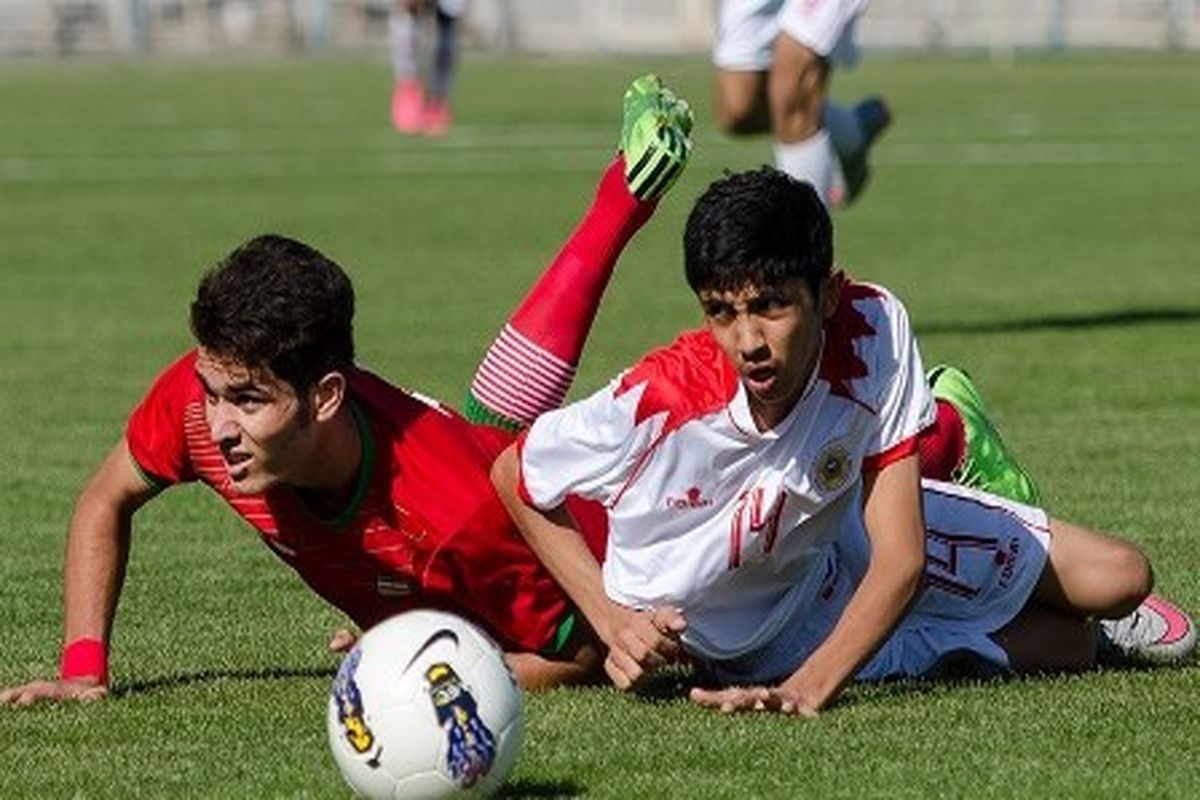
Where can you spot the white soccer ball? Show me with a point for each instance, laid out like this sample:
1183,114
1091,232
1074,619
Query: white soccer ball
424,706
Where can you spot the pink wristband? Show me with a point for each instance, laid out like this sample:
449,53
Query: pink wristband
84,658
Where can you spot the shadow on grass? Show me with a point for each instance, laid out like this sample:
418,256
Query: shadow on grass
957,671
528,788
1105,319
179,680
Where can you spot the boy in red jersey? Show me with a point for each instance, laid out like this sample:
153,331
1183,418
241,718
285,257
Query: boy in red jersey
380,499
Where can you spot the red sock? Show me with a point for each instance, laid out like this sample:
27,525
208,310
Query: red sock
529,367
942,444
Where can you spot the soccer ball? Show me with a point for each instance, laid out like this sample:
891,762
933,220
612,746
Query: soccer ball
424,706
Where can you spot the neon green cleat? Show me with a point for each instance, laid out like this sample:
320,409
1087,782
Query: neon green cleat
655,137
986,462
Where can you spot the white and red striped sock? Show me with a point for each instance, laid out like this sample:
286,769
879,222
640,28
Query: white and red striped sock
528,369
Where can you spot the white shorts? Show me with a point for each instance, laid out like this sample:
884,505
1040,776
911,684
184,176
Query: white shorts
983,557
746,30
451,8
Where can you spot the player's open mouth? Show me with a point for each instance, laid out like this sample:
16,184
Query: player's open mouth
760,380
237,465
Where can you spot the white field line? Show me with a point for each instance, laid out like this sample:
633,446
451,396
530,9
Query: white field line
222,155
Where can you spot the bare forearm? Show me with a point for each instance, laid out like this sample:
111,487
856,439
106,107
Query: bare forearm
869,618
94,568
896,529
561,548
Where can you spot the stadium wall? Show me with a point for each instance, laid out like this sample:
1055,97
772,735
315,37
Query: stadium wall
181,27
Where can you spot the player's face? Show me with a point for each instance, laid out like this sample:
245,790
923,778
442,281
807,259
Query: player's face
772,334
257,420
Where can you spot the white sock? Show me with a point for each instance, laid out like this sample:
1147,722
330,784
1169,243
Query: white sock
809,160
845,132
402,39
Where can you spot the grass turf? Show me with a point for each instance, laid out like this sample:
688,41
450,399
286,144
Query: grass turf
1034,217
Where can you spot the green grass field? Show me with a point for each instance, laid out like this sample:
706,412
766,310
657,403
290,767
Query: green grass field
1038,218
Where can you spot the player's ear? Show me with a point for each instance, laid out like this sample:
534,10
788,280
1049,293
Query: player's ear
328,394
831,293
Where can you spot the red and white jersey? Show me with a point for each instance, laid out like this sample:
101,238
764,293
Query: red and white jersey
734,525
427,531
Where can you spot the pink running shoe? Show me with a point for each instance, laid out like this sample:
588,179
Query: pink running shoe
408,102
1157,631
437,118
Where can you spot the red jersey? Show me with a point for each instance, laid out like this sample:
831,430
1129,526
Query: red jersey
427,531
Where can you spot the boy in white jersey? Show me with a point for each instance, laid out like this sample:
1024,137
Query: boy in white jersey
767,516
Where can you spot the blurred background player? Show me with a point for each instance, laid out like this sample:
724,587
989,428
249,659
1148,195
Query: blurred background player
416,107
774,59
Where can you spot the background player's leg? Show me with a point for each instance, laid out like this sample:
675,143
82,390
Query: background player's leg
408,101
741,101
796,89
445,56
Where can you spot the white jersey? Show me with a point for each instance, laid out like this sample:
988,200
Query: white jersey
757,536
734,525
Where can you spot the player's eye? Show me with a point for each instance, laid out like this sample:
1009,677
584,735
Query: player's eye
718,312
247,402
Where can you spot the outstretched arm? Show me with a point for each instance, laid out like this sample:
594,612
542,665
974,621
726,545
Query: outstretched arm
637,641
896,529
97,552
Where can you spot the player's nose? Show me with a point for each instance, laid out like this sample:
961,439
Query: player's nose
221,424
750,340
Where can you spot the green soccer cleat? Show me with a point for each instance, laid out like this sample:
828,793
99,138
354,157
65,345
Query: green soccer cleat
655,137
986,462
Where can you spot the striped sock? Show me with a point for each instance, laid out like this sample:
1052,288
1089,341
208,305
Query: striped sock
528,369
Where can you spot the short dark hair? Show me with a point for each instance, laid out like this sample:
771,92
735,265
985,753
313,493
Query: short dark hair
275,302
757,228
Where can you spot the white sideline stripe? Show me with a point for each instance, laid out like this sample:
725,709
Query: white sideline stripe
488,158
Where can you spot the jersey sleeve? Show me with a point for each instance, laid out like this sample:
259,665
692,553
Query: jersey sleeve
155,431
904,403
590,448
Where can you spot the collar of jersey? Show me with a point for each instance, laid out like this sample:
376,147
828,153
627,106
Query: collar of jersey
743,418
365,468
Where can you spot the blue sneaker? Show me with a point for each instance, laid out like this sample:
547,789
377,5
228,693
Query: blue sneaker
873,117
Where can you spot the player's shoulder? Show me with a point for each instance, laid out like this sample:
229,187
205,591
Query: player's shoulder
688,378
384,400
178,379
864,337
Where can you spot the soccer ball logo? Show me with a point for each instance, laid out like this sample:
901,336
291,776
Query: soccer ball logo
472,746
424,706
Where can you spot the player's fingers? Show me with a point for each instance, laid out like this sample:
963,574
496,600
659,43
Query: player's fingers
641,645
626,666
617,674
733,699
342,640
668,621
26,694
92,694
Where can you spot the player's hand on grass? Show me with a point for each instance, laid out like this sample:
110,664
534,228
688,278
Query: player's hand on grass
640,642
80,690
342,640
736,699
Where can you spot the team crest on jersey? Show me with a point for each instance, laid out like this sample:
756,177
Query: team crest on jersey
472,747
832,467
351,713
